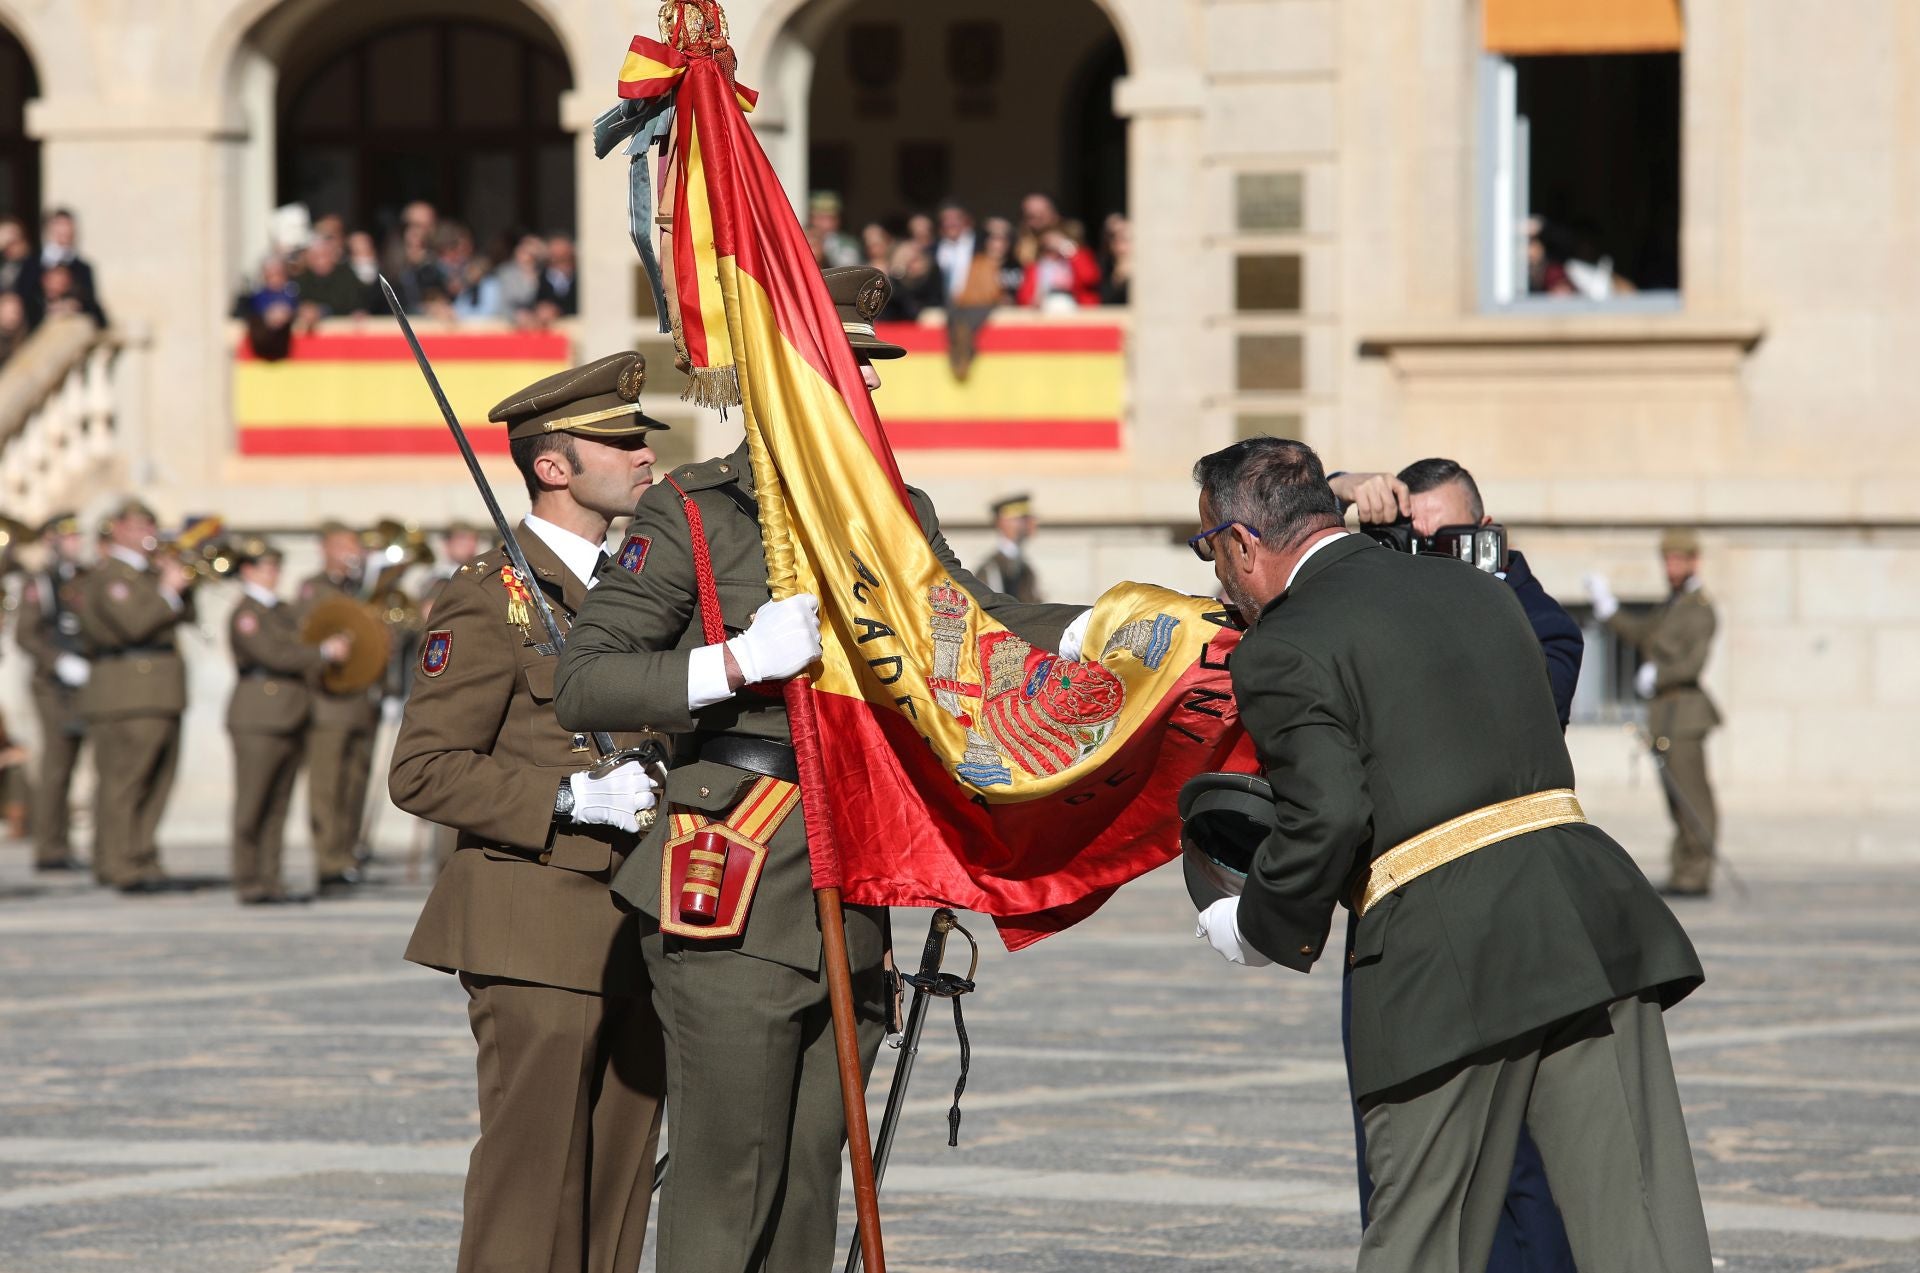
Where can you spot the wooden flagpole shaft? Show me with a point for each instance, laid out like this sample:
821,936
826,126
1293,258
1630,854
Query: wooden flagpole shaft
853,1088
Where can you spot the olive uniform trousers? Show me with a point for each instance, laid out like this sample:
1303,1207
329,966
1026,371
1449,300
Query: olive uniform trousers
1598,1095
761,1108
61,734
1696,820
339,766
264,768
575,1069
135,757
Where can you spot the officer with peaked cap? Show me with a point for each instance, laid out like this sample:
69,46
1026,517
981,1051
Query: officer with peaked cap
1008,570
267,717
49,634
571,1078
130,605
757,1119
1674,639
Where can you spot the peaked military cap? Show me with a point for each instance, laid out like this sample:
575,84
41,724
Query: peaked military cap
1013,506
61,524
253,548
1224,818
599,400
860,292
131,507
1681,541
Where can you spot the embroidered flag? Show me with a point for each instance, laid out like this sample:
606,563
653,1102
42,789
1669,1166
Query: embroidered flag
943,759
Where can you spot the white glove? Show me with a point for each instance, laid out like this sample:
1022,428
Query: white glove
1644,680
1076,633
782,640
71,670
1219,926
613,801
1605,604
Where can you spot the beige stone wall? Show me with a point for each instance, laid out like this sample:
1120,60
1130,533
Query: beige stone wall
1774,409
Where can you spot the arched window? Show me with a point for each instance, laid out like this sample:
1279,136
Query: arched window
19,153
462,114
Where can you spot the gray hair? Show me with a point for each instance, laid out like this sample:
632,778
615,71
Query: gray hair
1274,485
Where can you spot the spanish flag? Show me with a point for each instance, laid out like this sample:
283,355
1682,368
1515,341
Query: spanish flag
943,760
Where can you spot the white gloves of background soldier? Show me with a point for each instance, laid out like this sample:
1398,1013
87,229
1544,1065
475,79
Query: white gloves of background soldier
71,670
1219,927
615,800
782,640
1605,604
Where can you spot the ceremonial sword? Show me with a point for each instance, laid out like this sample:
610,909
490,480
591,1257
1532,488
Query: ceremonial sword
1687,811
612,755
928,983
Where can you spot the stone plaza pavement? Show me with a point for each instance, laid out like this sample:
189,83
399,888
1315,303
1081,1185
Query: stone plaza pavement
189,1087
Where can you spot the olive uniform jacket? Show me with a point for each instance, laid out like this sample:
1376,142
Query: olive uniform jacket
479,750
1675,637
128,623
1388,694
626,666
273,694
359,710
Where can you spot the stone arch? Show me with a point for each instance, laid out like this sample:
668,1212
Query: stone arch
20,83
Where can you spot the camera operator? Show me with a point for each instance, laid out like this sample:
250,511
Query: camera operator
1426,496
1420,782
1434,494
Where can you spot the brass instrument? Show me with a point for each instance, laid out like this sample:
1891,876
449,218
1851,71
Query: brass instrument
395,548
366,663
203,550
14,536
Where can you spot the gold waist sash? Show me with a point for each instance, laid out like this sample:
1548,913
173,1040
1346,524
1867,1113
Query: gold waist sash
1409,860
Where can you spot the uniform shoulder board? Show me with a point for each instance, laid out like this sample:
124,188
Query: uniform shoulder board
707,474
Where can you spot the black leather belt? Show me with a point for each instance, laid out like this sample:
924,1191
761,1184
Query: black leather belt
761,756
137,652
266,674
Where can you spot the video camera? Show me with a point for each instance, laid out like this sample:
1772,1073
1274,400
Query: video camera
1482,547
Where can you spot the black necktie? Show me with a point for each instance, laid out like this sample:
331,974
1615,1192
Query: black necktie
601,562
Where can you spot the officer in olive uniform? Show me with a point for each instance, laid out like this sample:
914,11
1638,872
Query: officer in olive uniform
757,1119
49,634
1008,570
1510,962
129,606
1674,640
340,732
571,1077
267,718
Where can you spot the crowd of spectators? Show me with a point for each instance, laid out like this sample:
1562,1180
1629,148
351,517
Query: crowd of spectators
948,260
434,265
43,282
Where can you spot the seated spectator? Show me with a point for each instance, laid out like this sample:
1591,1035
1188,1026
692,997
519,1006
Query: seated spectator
833,247
916,283
327,284
13,324
364,260
1117,268
271,310
59,247
59,294
988,270
559,294
415,269
517,281
1060,270
1001,244
879,247
466,276
954,250
15,253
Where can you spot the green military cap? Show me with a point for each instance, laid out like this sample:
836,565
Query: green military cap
61,524
253,548
334,526
131,507
1224,819
599,400
1680,541
860,292
1013,506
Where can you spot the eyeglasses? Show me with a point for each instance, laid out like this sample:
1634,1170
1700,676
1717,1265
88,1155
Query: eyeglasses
1202,544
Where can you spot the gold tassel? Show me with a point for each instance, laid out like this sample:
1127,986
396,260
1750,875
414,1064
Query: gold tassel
716,387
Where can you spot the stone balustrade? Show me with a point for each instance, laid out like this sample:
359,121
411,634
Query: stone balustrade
58,419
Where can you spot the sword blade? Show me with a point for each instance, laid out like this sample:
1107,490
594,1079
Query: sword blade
603,742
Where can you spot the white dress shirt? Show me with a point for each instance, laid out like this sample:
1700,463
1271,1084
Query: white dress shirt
578,554
1314,548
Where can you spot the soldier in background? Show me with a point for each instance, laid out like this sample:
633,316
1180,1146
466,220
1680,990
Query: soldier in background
340,731
267,718
1673,640
129,606
1008,570
49,634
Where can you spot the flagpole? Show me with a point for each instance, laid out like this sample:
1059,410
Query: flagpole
839,970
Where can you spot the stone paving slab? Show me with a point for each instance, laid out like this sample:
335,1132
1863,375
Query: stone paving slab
189,1087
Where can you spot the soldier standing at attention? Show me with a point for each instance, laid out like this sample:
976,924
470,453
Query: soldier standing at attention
129,607
1674,640
1008,570
757,1120
267,718
571,1077
340,735
49,633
